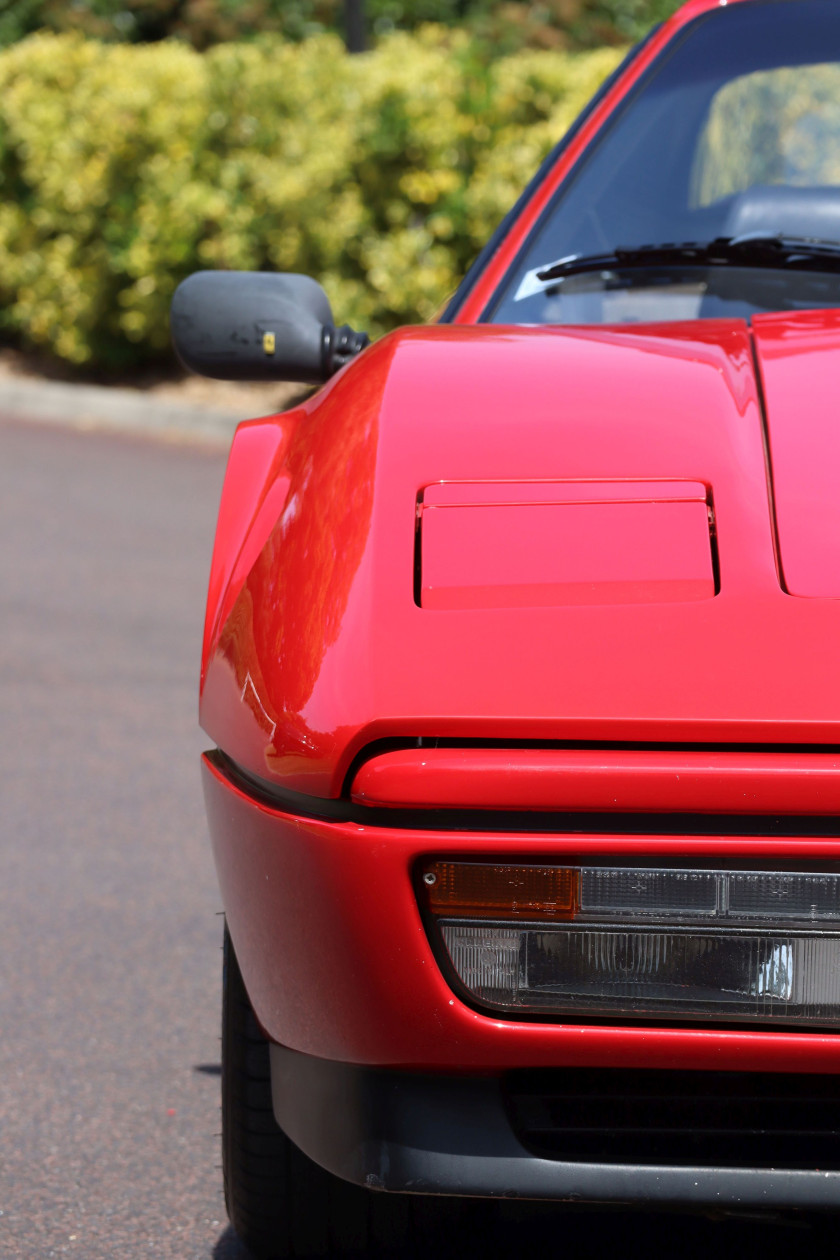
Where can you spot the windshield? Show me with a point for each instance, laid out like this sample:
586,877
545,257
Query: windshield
735,131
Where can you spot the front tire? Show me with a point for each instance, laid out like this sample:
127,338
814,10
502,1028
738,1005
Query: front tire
280,1203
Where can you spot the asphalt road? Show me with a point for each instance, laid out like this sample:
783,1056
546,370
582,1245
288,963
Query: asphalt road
109,970
109,935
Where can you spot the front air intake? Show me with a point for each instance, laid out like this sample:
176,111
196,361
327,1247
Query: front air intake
718,1119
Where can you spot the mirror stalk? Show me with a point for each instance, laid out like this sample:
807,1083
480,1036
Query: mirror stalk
339,346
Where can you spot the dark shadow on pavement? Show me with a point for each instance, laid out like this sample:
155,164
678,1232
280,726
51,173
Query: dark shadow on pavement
208,1069
542,1231
228,1247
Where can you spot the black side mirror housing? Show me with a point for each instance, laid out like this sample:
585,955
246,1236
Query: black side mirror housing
259,326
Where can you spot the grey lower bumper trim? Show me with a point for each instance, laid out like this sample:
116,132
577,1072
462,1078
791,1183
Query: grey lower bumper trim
428,1134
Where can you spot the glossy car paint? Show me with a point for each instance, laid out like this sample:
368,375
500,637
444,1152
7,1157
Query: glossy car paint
603,779
339,965
256,488
799,359
325,650
317,645
615,542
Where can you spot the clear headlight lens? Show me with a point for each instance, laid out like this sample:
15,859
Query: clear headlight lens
643,942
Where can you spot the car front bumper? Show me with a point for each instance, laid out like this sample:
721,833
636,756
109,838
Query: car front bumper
338,963
383,1075
433,1133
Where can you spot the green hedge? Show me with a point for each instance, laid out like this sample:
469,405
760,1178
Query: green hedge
504,26
124,168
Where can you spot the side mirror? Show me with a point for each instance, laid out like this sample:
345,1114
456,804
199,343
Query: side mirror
259,326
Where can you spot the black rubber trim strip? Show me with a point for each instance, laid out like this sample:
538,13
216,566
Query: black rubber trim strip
436,1134
521,821
466,286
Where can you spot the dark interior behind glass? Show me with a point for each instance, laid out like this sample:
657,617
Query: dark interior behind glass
734,130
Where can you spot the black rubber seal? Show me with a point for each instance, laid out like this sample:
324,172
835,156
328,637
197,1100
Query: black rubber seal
340,809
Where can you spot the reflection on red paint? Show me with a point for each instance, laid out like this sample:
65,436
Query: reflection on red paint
799,356
326,649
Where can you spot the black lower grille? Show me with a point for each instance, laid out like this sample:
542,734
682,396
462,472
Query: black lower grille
704,1119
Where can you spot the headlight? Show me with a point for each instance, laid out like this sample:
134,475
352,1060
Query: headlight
643,942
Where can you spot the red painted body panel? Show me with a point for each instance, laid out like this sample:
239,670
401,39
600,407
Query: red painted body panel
555,543
327,930
800,365
650,780
325,649
255,489
395,560
515,493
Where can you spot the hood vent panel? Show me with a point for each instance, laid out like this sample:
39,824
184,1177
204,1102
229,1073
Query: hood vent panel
549,544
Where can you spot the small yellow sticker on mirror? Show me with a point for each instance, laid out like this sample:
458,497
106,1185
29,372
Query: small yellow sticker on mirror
268,342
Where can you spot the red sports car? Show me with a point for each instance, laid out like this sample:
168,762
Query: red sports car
521,664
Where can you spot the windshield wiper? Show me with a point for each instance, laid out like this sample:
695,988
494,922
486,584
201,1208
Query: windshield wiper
752,249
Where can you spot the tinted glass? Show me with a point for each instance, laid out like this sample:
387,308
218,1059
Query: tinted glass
736,129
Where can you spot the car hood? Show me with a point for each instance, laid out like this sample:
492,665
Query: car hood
541,534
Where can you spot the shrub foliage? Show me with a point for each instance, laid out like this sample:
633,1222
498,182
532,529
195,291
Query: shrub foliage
124,168
506,25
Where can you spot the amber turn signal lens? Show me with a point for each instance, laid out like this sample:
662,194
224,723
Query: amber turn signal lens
473,890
